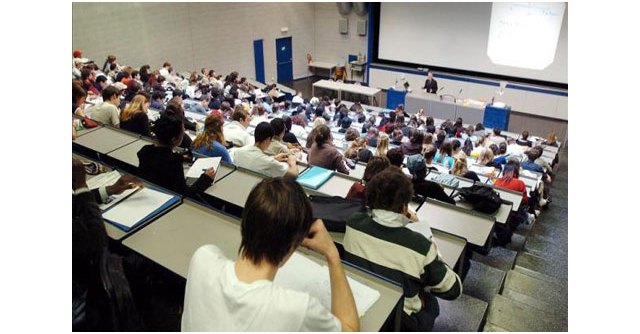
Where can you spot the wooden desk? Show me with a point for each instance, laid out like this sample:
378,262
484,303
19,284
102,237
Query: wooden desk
173,238
105,139
129,153
475,227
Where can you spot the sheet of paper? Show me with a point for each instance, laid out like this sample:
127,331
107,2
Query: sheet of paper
422,228
302,274
137,207
203,163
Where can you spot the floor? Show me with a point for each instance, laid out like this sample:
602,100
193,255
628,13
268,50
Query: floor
522,287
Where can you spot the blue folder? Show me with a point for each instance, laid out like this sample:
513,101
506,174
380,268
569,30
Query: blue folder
168,204
314,177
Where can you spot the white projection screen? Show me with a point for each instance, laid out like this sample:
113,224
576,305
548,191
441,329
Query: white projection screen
522,40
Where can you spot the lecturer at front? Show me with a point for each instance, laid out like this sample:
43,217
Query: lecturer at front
431,85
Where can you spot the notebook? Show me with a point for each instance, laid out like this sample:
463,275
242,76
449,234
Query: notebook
201,164
107,179
138,208
314,177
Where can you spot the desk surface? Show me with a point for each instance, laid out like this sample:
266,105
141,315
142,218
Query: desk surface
86,130
321,64
190,226
235,188
474,227
337,185
129,152
501,215
328,84
105,140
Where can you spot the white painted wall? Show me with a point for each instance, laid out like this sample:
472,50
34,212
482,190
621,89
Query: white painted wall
193,35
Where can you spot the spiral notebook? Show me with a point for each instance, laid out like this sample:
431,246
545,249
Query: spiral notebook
314,177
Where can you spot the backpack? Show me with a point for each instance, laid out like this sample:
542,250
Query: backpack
482,198
334,211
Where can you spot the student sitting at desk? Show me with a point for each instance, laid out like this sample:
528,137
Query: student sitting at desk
160,165
253,157
134,117
108,112
323,154
414,145
383,145
443,157
79,98
425,188
222,295
157,100
460,168
174,107
210,141
289,137
278,145
374,166
236,131
380,242
396,157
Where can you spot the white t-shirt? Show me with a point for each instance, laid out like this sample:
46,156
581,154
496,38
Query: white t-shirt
252,158
215,300
237,134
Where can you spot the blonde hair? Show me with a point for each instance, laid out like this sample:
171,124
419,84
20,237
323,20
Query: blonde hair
356,145
212,131
383,145
460,165
138,104
485,157
319,121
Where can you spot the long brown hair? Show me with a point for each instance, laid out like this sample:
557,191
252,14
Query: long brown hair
212,131
138,104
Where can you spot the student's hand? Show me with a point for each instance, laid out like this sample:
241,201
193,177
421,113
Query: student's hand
78,175
282,157
124,182
320,240
211,173
411,215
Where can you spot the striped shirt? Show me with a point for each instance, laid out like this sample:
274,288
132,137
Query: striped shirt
380,242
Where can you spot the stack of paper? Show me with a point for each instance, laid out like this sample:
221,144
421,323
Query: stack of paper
302,274
138,208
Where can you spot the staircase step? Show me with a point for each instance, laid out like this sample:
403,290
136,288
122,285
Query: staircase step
543,291
498,257
483,281
545,247
539,276
543,306
464,314
557,269
517,242
519,317
489,327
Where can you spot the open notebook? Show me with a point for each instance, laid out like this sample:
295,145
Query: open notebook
314,177
302,274
141,206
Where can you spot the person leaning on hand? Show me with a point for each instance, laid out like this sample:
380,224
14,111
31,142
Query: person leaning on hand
79,183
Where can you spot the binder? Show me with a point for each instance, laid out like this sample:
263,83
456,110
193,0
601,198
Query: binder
139,208
314,177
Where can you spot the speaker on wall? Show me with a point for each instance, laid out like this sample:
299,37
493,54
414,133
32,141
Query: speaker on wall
343,26
362,27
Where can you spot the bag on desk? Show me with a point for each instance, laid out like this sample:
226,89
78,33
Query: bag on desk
482,198
334,211
88,123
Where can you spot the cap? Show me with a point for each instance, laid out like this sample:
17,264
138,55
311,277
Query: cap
415,162
77,53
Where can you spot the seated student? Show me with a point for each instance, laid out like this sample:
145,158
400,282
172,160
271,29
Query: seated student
323,154
254,158
440,137
345,124
380,242
374,166
79,97
396,157
203,105
429,153
236,131
524,139
174,107
160,165
496,137
350,135
134,117
108,112
277,143
397,136
425,188
414,146
289,137
501,158
460,168
443,157
210,141
383,146
157,100
222,295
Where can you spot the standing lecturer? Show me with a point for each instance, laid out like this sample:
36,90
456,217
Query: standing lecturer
431,84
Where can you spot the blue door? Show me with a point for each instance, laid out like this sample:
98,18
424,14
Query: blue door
258,56
284,57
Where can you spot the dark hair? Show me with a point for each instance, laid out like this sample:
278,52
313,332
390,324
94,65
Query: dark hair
395,156
503,147
417,137
446,148
440,136
479,127
455,144
390,190
351,134
525,134
287,123
167,127
430,152
278,126
263,132
322,135
279,219
158,95
494,148
85,73
77,92
109,92
101,78
496,131
237,115
430,121
375,166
